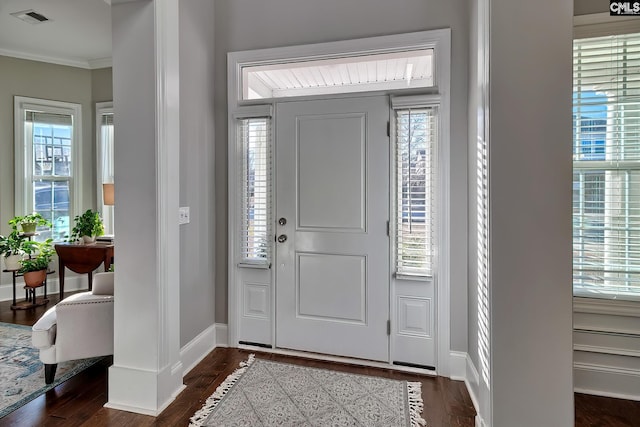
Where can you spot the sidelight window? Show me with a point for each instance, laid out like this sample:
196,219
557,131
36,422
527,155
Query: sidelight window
415,163
254,135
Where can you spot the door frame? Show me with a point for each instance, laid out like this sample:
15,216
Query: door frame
440,41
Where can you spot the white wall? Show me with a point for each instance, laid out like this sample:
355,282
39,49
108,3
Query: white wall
255,24
197,239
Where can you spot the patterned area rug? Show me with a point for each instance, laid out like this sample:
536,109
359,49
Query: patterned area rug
265,393
22,372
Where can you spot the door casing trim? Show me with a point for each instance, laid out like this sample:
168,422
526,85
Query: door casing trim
440,41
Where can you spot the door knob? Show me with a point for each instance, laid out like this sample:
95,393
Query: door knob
282,221
282,238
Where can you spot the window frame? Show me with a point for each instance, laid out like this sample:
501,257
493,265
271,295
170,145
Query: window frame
406,103
592,26
243,113
23,152
106,212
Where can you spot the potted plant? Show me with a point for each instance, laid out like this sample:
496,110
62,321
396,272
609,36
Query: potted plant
11,249
28,223
87,227
34,268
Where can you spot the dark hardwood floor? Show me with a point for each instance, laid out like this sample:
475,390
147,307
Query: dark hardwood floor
79,401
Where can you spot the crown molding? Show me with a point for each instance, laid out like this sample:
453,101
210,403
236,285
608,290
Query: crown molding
87,65
94,64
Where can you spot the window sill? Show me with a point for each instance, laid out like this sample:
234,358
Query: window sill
413,277
260,266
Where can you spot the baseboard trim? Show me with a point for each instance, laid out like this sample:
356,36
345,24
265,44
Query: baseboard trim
71,283
145,411
458,365
463,369
598,380
222,335
480,422
197,349
472,382
133,409
140,387
607,381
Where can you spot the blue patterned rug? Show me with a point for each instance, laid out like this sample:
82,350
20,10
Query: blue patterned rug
22,372
262,393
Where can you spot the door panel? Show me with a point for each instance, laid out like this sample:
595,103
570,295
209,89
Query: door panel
332,187
332,287
331,171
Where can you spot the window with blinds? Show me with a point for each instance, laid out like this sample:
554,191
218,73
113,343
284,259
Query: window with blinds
105,162
49,139
255,139
416,136
606,165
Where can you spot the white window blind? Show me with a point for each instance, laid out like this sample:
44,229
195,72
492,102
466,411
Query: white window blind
416,136
255,139
606,165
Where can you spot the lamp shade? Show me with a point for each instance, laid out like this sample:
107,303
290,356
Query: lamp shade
108,194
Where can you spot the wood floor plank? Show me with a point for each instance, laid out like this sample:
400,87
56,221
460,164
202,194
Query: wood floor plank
79,401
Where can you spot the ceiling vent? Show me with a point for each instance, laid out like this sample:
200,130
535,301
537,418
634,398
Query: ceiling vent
31,16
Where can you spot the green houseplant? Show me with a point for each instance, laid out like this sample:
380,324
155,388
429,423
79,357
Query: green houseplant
87,227
28,223
34,268
11,247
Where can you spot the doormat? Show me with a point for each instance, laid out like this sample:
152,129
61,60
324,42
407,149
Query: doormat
22,372
266,393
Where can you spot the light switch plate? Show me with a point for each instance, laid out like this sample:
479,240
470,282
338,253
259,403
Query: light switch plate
183,215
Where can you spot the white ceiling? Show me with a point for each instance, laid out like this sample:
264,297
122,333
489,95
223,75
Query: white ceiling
78,33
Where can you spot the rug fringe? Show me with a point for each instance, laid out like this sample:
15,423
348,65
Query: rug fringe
414,391
221,391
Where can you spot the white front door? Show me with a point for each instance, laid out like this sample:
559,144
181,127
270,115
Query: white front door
332,194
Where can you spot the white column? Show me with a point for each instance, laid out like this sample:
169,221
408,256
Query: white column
529,143
147,373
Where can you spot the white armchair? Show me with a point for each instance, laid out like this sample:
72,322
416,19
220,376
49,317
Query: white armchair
78,327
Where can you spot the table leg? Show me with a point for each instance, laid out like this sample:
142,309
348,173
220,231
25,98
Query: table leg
90,280
61,277
14,288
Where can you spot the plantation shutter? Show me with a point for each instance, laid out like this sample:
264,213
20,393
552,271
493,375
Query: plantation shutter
415,157
606,165
254,136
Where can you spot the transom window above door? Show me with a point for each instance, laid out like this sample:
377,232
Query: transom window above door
362,73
